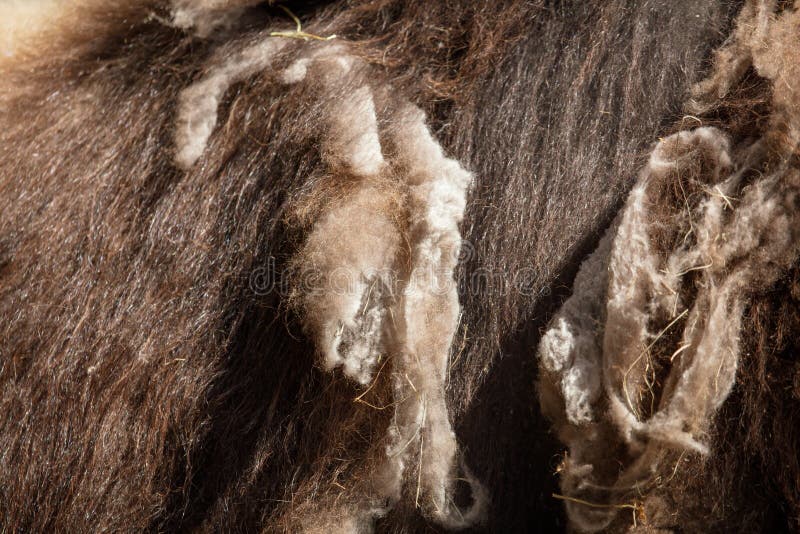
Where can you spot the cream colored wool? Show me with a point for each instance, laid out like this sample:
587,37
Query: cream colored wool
631,295
367,302
204,16
430,311
569,350
734,254
636,282
354,246
197,112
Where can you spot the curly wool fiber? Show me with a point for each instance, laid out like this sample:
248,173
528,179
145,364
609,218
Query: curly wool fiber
135,325
354,248
707,228
423,315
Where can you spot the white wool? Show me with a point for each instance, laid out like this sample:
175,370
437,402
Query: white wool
570,347
637,284
354,133
632,277
296,72
425,317
348,320
333,64
354,241
352,140
354,247
581,387
198,104
737,248
430,312
205,16
557,345
760,230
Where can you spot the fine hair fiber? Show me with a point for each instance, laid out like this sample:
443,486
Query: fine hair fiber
375,265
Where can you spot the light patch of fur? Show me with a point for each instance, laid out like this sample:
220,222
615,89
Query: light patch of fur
354,133
36,30
611,322
353,251
204,16
19,19
197,112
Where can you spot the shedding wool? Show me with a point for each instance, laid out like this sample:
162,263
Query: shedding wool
657,311
278,267
364,299
204,16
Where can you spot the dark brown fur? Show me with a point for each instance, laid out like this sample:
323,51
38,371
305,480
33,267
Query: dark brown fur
146,386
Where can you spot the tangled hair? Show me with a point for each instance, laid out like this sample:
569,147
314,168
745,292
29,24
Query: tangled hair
259,273
638,361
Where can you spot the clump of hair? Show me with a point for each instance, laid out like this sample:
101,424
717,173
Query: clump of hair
640,358
202,17
163,162
373,279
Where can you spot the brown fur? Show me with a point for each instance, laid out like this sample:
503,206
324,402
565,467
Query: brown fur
145,385
650,467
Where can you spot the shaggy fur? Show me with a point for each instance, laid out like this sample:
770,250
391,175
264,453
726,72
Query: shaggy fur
180,190
712,226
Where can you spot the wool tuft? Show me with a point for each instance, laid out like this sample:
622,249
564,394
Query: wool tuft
657,310
380,287
203,17
197,114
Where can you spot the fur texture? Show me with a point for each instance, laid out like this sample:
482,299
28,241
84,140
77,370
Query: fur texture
227,261
658,310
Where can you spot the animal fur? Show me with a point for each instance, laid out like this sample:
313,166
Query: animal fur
659,310
159,160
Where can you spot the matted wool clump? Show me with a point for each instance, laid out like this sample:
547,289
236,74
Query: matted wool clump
374,277
204,16
167,166
642,355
